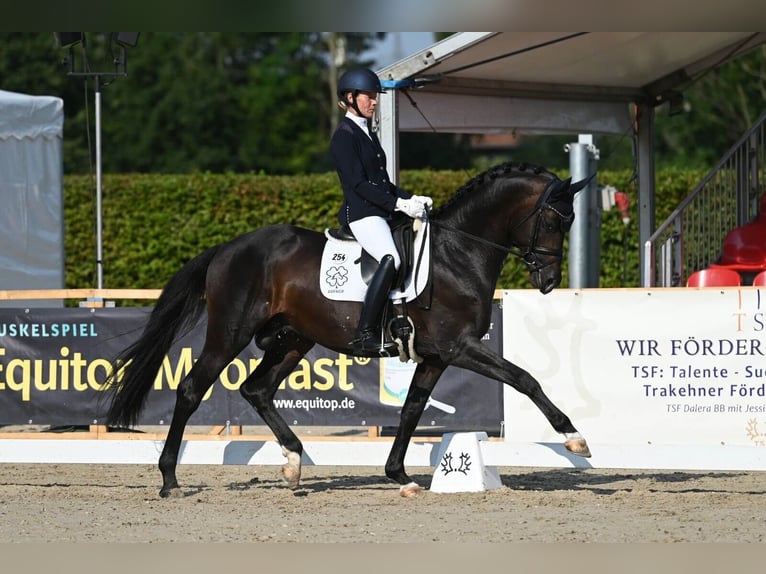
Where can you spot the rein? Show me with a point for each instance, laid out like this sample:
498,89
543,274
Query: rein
513,250
528,253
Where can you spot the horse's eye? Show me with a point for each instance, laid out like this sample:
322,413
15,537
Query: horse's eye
551,226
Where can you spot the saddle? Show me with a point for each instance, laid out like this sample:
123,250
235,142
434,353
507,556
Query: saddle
403,234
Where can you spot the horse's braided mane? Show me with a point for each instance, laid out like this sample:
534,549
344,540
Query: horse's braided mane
508,169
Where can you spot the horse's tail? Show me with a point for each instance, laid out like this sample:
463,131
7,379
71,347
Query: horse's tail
180,305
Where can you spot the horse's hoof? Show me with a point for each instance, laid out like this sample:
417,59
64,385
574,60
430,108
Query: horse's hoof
174,492
291,476
410,490
291,472
578,446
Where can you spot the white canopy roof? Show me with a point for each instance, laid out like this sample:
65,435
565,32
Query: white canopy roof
555,82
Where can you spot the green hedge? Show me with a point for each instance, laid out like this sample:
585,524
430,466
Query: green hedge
152,224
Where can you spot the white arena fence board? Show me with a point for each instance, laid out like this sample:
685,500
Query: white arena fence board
374,453
235,452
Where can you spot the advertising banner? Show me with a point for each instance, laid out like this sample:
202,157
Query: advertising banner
641,367
54,361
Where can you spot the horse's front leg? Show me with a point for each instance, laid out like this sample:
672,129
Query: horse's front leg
423,381
473,355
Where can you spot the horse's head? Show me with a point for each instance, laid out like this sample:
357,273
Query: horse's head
539,234
514,208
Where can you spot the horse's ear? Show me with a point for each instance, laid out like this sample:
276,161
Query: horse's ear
578,185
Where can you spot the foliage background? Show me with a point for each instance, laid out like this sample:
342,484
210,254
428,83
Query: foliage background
154,223
212,134
264,102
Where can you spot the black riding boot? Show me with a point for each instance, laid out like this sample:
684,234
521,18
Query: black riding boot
368,332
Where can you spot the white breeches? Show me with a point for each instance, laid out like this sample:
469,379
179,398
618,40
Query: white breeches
374,235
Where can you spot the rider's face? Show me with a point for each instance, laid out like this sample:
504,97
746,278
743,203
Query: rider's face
366,102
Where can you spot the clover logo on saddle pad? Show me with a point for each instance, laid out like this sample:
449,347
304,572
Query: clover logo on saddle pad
336,277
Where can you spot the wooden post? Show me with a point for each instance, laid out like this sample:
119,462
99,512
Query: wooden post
221,429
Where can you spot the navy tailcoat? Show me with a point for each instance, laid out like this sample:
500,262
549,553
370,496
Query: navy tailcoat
361,165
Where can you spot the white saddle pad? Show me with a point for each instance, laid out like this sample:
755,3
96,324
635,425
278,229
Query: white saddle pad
340,276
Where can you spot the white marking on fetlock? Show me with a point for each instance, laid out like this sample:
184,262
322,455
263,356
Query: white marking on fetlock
410,490
572,435
291,471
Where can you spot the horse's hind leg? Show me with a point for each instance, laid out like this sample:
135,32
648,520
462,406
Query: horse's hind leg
188,397
283,351
473,355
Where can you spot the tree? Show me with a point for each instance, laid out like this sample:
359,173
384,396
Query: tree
265,101
719,107
194,101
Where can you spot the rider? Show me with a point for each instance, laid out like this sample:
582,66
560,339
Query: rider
369,197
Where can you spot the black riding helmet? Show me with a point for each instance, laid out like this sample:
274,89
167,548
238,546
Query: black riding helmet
358,80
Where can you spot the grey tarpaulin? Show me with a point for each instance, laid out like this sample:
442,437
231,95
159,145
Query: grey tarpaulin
31,195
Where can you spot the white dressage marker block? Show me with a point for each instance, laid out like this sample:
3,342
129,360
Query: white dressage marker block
460,466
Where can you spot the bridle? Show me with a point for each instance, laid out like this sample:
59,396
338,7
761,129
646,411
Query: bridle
529,252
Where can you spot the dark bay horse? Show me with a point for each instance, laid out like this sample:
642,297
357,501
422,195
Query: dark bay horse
264,285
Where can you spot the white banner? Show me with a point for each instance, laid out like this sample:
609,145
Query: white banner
645,368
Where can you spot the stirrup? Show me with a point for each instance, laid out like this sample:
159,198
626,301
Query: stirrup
367,344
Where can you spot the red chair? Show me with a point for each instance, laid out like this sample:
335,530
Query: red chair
714,277
744,248
760,279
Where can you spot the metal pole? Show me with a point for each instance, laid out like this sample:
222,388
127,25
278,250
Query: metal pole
99,255
646,175
584,237
388,131
121,69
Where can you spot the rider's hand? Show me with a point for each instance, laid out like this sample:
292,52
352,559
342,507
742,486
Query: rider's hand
411,207
425,200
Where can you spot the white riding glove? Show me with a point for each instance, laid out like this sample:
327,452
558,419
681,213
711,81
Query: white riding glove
411,207
425,200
